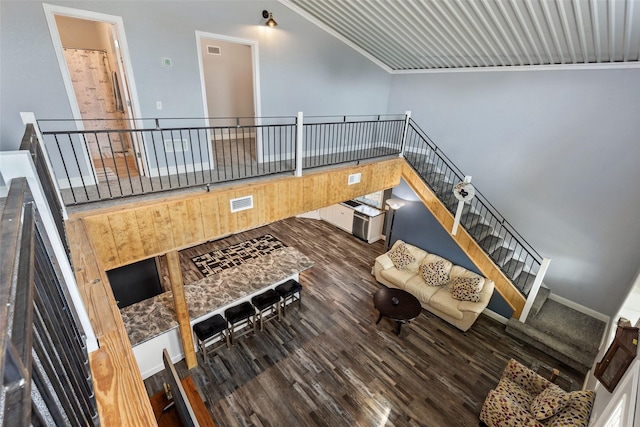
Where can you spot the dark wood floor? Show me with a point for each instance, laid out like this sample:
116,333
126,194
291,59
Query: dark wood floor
329,364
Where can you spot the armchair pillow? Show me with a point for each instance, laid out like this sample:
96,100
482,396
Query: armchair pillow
551,401
400,256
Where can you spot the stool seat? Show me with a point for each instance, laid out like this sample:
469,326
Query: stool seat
288,291
268,301
209,327
265,299
239,312
289,287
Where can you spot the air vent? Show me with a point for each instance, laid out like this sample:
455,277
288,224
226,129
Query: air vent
241,204
354,178
213,50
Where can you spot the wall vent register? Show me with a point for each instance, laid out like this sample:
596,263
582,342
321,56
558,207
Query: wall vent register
241,203
213,50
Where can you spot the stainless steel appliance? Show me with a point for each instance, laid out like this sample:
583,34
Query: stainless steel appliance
361,226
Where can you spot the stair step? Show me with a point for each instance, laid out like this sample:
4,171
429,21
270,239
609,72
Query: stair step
513,268
524,282
501,255
491,243
470,219
555,347
480,231
541,298
569,325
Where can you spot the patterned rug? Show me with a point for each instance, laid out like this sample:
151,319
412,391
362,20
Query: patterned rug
231,256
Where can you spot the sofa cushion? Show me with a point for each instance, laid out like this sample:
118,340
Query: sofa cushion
434,273
420,289
551,401
398,277
465,289
444,302
457,271
400,256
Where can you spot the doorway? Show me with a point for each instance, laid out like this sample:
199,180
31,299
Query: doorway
230,87
99,88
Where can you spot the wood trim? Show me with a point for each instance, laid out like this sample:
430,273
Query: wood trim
182,311
126,234
485,264
120,393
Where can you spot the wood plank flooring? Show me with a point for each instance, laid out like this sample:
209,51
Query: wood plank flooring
329,364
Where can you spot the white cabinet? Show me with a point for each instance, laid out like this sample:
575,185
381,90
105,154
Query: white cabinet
376,224
338,215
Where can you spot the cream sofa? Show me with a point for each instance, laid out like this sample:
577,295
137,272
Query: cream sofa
436,299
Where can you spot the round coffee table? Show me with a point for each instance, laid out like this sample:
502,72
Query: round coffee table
397,305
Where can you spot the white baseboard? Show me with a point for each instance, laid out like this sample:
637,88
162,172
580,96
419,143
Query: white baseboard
495,316
77,181
174,170
578,307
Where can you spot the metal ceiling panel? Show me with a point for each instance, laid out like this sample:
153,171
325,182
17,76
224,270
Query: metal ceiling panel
447,34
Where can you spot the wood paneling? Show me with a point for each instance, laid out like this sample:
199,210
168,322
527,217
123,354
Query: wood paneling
131,233
120,394
480,258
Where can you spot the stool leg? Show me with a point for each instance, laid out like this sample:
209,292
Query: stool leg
226,337
279,311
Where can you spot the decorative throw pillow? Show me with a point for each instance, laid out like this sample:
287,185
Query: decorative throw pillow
400,256
548,403
434,273
465,288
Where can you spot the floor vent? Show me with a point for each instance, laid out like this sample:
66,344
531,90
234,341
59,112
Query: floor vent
241,203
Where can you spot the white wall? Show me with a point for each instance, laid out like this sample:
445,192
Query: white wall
302,68
557,153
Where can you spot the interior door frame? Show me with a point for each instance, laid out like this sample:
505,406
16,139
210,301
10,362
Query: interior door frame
257,105
117,23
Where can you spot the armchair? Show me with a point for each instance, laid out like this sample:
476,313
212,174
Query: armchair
524,398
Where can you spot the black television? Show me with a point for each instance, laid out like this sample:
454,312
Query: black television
185,412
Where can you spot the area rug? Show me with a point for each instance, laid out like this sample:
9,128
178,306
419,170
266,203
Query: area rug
231,256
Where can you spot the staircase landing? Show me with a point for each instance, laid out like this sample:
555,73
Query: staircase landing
569,335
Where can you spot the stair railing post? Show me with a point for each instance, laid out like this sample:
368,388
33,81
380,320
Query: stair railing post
407,117
299,140
30,118
544,266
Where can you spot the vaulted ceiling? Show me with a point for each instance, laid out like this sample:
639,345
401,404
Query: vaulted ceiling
409,35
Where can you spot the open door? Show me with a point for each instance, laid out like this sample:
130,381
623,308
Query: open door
98,81
230,84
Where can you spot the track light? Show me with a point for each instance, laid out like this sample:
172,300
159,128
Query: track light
269,17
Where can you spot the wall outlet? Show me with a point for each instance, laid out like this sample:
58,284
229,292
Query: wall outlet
158,105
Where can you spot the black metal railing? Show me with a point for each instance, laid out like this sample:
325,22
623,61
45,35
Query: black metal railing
330,140
30,143
166,154
44,362
508,249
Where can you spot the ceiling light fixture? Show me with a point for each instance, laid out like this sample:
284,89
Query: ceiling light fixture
269,17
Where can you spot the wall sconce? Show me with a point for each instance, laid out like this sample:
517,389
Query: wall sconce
269,17
394,205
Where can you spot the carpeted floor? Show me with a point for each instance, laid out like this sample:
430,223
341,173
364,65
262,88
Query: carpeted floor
234,255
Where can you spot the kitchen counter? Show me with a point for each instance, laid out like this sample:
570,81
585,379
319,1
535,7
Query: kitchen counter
365,210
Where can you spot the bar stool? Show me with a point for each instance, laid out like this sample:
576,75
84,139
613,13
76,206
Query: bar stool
239,313
209,329
266,301
288,290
